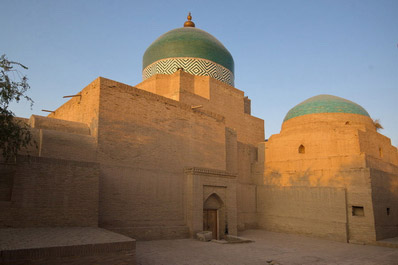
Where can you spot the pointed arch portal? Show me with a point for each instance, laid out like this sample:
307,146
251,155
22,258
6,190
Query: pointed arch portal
210,202
213,213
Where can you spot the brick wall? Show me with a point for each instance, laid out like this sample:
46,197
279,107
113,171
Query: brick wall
385,203
332,155
50,192
145,142
319,212
83,108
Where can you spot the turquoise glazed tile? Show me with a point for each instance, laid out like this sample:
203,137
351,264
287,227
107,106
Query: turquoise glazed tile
325,104
188,42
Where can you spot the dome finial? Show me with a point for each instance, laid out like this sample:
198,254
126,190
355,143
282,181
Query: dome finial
189,23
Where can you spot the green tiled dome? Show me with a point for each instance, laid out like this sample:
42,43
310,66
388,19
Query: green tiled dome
325,104
188,42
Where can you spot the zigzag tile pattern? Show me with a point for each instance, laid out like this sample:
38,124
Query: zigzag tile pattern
193,66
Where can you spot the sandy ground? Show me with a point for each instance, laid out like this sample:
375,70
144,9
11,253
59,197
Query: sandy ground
268,248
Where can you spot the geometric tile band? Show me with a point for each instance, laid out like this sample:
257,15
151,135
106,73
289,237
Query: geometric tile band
194,66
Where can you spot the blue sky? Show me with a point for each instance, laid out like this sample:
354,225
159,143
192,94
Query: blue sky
284,51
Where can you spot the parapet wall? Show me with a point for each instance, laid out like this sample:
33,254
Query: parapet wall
47,123
83,108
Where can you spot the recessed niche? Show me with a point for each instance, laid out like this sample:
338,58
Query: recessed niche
301,149
388,211
358,211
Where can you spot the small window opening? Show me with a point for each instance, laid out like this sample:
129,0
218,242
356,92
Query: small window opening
358,211
380,152
301,149
388,211
347,123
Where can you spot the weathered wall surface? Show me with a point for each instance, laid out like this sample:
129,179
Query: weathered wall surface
361,227
65,245
153,130
385,203
311,211
380,154
382,160
326,151
212,95
224,100
200,184
46,123
145,142
246,192
163,85
243,134
231,151
83,108
247,208
68,146
229,102
220,98
49,192
61,139
322,146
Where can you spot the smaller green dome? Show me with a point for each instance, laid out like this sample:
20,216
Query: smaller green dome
325,104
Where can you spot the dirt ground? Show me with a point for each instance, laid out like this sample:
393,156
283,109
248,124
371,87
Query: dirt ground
268,248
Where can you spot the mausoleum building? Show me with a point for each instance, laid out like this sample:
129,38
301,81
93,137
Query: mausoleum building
180,153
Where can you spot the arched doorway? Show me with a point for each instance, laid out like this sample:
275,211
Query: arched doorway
214,216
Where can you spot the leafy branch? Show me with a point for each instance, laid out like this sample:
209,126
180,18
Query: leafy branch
14,134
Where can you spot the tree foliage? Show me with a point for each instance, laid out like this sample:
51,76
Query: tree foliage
14,133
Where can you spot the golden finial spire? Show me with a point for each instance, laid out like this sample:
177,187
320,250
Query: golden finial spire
189,23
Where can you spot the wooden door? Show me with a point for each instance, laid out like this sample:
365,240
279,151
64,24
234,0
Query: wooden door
210,222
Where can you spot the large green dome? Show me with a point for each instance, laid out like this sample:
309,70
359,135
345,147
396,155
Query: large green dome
188,42
325,104
193,50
